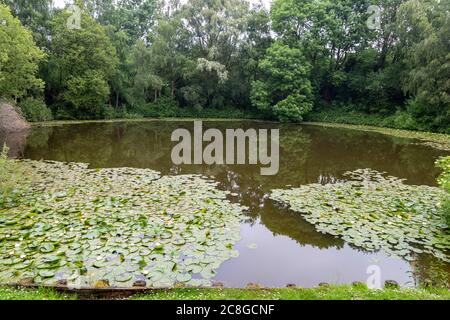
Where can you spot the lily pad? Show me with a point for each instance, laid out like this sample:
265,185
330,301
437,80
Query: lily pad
374,211
114,224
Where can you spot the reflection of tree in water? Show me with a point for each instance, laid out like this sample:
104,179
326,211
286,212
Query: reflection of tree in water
282,221
15,141
428,270
39,138
338,150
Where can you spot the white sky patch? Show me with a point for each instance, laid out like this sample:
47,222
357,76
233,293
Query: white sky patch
59,3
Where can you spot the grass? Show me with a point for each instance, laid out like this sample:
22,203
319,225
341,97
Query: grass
342,292
11,293
334,292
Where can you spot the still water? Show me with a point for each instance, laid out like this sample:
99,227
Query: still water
278,246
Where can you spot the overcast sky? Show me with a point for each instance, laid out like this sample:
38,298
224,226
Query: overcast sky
60,3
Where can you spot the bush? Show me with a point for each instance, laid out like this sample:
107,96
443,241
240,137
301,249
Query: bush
346,113
35,109
213,113
444,182
293,108
400,120
163,107
122,113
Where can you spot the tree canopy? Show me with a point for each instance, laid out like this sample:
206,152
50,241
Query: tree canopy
301,58
19,58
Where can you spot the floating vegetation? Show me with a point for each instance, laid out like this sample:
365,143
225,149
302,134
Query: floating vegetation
375,212
116,226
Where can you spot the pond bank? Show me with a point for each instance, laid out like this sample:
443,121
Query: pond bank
341,292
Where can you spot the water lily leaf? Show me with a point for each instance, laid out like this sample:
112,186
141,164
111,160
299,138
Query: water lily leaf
89,224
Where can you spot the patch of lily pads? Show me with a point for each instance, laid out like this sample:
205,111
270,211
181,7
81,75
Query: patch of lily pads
91,227
374,211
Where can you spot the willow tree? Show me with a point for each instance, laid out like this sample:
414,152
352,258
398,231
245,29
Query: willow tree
424,30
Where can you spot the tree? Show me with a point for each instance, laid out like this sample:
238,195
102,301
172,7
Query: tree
216,32
328,31
143,83
19,58
136,17
87,93
169,48
424,28
284,86
35,15
80,57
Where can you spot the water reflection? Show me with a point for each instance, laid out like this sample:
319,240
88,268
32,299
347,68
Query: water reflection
288,248
15,141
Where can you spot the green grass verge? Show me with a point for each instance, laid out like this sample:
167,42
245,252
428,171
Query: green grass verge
338,292
10,293
343,292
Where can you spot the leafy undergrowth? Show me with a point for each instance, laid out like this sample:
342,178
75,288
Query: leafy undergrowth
341,292
375,212
112,227
349,116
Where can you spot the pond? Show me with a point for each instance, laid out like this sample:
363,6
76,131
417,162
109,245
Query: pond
277,245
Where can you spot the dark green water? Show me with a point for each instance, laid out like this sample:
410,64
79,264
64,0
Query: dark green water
288,249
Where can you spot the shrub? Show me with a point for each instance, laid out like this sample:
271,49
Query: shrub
163,107
400,120
346,113
131,115
122,113
444,182
35,109
110,113
293,108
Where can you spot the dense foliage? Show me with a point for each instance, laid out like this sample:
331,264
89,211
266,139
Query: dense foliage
19,58
319,59
35,109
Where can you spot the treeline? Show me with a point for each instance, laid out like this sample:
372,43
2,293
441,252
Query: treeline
311,58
